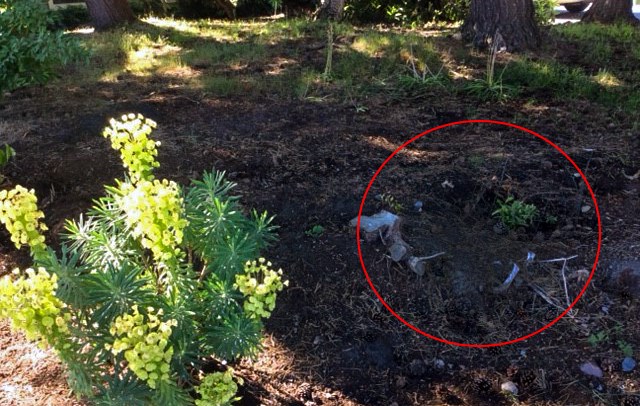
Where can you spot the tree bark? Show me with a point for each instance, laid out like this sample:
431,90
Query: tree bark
331,9
610,11
108,13
513,20
227,7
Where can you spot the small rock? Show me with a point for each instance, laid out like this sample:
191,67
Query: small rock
417,206
628,364
438,363
509,387
398,252
556,234
500,228
585,208
401,381
317,340
591,369
547,165
568,227
417,367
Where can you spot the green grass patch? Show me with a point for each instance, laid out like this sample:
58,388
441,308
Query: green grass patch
550,79
603,44
285,58
589,33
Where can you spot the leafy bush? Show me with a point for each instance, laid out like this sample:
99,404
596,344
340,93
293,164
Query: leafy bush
149,285
545,11
406,11
515,213
29,53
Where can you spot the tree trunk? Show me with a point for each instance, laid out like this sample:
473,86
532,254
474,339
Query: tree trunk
511,22
331,9
108,13
610,11
227,7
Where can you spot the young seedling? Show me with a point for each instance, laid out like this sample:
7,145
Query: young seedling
515,213
315,231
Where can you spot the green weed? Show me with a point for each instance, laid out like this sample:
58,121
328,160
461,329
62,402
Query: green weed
597,338
515,213
315,231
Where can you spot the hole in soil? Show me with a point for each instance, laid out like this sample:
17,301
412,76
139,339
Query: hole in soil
460,189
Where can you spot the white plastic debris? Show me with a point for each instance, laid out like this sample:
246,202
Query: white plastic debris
447,184
378,221
507,282
591,369
509,387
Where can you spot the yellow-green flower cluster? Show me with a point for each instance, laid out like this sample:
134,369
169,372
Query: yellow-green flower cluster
218,389
260,297
155,212
19,213
32,306
145,342
130,136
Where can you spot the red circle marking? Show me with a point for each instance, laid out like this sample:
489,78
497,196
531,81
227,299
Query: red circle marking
481,345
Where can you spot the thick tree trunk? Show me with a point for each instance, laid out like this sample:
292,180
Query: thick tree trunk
513,20
610,11
227,7
108,13
331,9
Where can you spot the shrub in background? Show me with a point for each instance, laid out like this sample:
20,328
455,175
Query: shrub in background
29,52
69,18
545,11
154,281
406,11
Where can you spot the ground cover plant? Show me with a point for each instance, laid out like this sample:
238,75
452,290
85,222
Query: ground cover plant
250,98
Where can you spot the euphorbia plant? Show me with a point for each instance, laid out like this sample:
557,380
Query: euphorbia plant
151,283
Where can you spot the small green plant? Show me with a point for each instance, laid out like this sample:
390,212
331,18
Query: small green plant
490,87
6,153
391,203
419,77
551,219
625,348
515,213
476,161
218,388
155,280
315,231
598,338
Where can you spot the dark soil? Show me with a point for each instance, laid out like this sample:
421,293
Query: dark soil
330,341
